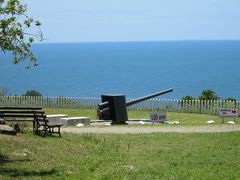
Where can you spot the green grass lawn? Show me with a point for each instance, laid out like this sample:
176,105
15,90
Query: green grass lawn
183,118
145,156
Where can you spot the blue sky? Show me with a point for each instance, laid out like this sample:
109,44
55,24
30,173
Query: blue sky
136,20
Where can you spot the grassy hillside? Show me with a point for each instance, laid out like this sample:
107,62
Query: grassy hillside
94,156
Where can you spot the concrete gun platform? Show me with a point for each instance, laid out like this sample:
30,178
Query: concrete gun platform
73,121
55,118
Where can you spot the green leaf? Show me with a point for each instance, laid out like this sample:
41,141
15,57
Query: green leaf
30,39
16,60
37,23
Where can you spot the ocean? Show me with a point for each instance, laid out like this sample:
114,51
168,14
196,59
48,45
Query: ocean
131,68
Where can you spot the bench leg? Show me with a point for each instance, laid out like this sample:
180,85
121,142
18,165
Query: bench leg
33,126
45,130
59,131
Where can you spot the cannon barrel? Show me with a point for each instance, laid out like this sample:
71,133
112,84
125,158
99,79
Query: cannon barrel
114,106
135,101
103,105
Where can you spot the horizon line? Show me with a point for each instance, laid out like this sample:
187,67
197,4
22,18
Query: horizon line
130,41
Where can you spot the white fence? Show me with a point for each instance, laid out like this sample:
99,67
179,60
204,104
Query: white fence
194,106
49,102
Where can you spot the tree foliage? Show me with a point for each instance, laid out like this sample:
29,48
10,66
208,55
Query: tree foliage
32,93
14,31
230,99
188,98
208,94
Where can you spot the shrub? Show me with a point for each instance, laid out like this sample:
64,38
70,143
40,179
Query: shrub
32,93
188,98
208,94
230,99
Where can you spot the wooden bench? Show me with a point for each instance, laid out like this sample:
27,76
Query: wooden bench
30,114
42,124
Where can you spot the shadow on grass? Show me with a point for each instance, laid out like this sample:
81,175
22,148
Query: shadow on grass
3,159
14,172
48,134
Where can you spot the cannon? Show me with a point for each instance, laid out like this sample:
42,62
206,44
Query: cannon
114,106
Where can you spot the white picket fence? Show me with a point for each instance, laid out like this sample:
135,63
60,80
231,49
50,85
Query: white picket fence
49,102
173,105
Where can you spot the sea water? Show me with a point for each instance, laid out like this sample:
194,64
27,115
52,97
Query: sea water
131,68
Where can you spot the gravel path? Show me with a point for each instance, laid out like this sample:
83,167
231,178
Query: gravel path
140,130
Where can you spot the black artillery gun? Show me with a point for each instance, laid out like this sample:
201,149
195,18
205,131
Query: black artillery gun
114,106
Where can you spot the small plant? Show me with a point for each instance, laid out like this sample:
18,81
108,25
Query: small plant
19,127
